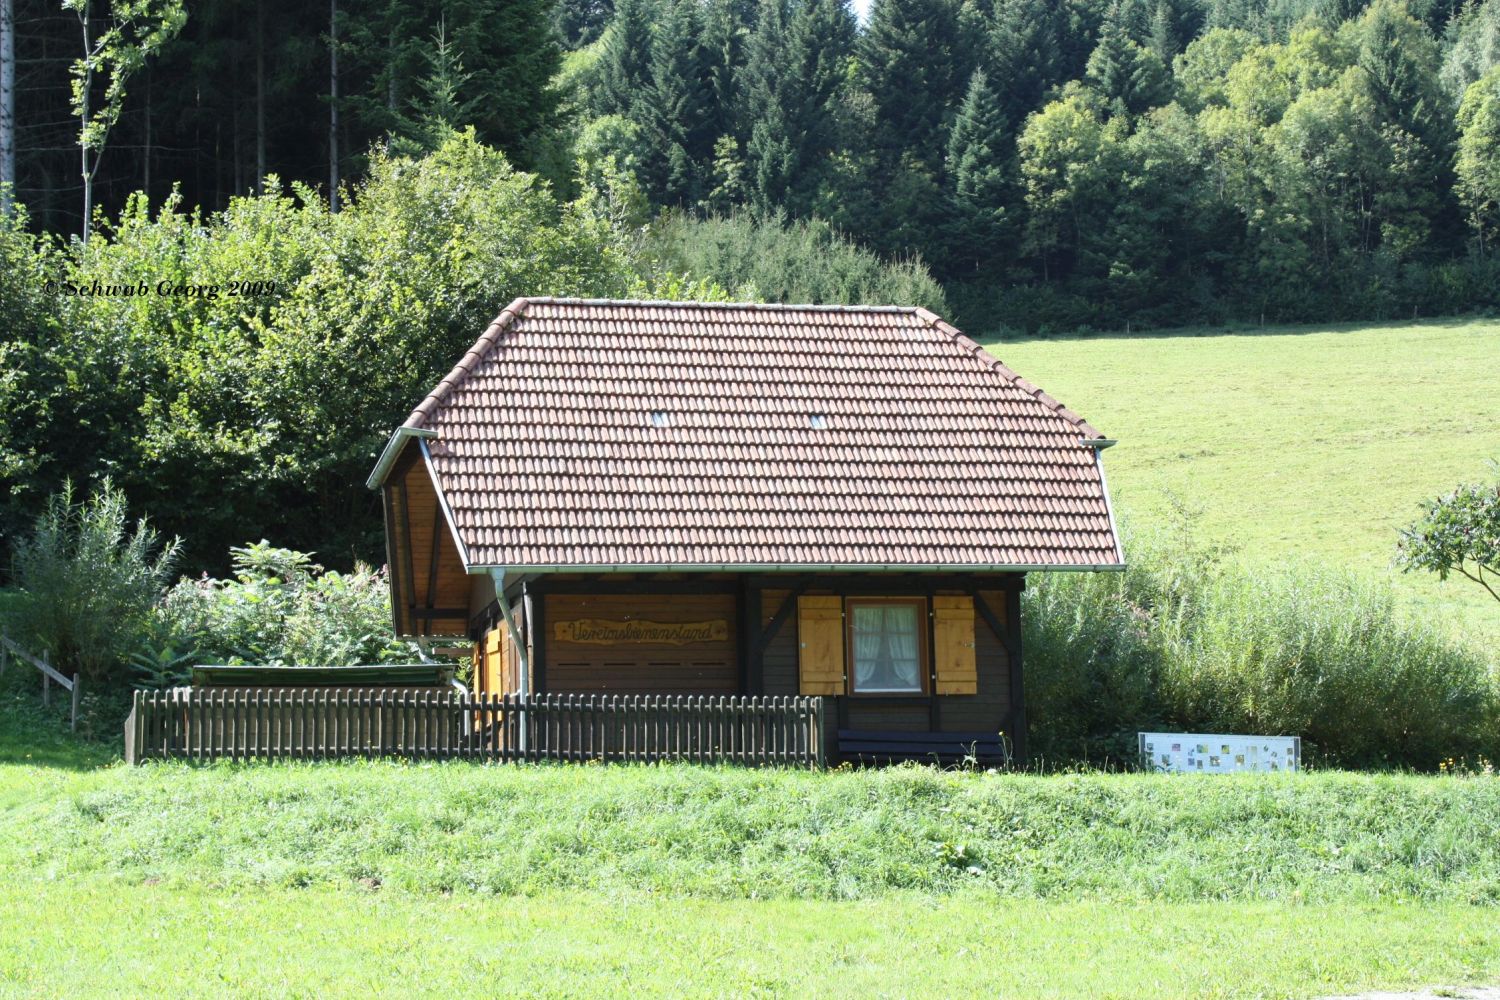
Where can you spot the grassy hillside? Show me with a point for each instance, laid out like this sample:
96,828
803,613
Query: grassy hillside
353,879
1294,443
737,834
360,879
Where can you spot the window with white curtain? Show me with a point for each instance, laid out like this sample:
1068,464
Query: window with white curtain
885,646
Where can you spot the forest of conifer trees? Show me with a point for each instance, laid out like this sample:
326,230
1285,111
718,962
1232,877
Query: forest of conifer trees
1054,164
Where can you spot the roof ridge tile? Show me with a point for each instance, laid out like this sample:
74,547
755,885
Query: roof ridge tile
466,363
982,354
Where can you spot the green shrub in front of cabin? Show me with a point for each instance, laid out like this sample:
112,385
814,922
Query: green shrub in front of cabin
280,608
1191,640
88,582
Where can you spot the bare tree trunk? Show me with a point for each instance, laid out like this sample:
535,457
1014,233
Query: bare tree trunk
83,146
146,149
236,129
390,83
7,105
333,105
260,98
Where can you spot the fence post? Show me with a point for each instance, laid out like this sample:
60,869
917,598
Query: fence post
77,693
819,731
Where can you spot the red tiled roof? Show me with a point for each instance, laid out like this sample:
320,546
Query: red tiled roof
597,433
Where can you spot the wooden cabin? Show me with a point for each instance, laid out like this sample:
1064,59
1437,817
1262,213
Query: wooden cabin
700,498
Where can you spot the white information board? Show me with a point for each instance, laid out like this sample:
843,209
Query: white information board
1220,753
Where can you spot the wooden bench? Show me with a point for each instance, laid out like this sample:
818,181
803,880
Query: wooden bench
871,747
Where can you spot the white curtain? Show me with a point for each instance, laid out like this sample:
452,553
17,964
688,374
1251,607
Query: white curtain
885,648
901,630
868,632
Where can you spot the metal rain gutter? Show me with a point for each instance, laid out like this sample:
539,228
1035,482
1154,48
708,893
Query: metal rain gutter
1109,506
442,498
498,575
392,449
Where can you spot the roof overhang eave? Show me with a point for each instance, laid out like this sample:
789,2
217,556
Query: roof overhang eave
805,568
392,451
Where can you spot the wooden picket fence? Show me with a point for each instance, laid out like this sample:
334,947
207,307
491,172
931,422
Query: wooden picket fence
442,724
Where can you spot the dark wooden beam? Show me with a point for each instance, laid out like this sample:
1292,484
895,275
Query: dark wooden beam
782,613
934,713
485,619
536,632
988,615
746,632
1017,679
392,554
608,584
893,584
406,566
461,614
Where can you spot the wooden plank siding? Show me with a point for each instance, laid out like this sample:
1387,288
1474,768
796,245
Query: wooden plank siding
709,667
968,638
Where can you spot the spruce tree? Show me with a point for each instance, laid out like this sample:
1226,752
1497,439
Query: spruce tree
440,109
1400,63
723,43
625,66
1023,58
978,172
793,79
510,47
675,109
1130,78
1163,39
908,65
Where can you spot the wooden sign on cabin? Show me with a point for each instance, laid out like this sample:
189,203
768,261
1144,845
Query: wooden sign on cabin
601,632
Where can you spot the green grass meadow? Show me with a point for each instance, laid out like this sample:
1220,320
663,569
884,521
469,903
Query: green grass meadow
103,940
1312,443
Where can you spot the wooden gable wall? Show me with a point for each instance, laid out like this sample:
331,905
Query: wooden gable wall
429,588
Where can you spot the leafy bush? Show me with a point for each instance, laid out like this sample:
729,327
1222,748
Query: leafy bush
1190,640
773,260
281,608
1457,533
281,397
88,583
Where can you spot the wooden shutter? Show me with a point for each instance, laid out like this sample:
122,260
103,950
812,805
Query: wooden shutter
820,641
493,681
953,645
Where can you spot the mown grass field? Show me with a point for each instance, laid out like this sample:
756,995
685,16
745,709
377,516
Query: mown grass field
103,940
1312,443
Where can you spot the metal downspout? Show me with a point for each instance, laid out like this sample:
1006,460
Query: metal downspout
498,576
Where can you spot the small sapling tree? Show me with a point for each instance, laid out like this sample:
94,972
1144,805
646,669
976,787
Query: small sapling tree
1459,532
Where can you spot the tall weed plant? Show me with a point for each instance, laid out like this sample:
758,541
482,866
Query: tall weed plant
282,609
1193,639
88,581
